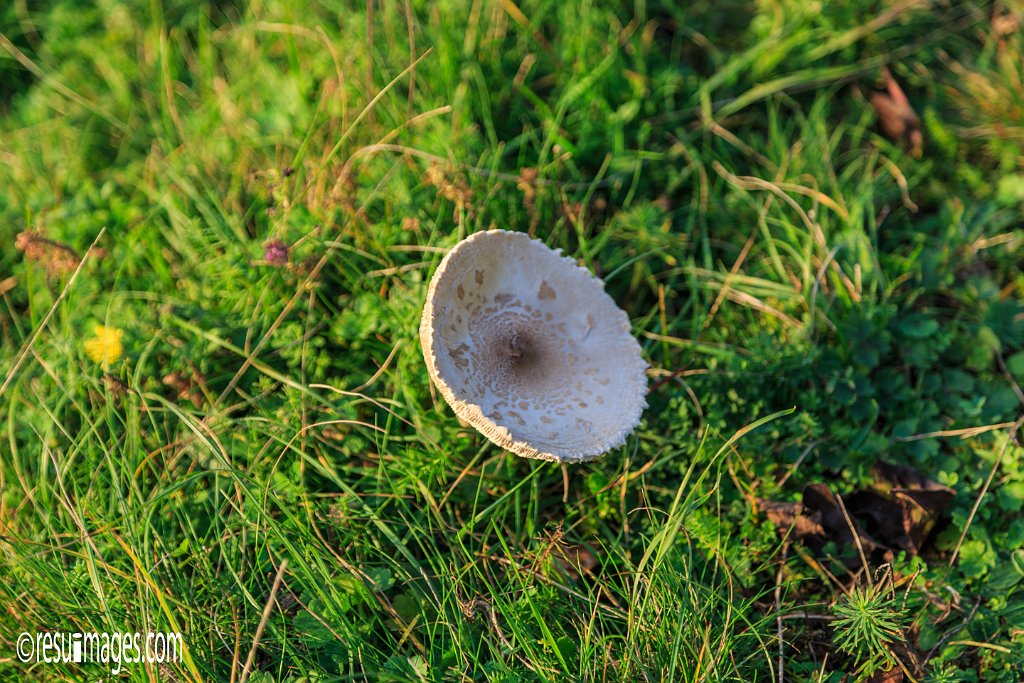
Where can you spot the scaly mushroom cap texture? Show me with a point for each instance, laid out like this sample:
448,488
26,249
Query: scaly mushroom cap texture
528,348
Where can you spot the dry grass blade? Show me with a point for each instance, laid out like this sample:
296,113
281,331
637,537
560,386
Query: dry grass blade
1010,438
267,609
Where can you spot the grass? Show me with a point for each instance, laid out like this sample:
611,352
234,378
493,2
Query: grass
265,466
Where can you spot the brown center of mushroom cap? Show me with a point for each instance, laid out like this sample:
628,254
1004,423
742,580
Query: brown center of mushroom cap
517,355
519,348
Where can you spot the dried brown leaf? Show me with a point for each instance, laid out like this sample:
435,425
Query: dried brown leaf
793,516
55,256
896,117
899,512
574,560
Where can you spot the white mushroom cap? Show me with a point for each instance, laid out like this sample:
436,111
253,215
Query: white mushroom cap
528,348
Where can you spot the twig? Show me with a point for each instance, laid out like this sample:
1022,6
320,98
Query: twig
965,433
778,611
1009,378
975,643
795,465
856,539
984,489
247,669
953,632
727,283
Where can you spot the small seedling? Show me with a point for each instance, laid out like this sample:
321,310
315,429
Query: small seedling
869,619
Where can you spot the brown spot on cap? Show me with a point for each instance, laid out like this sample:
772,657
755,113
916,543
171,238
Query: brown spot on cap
545,291
458,355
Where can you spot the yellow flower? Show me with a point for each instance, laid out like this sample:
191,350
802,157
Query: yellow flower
105,347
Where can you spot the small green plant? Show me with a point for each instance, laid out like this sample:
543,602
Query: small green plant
868,620
950,674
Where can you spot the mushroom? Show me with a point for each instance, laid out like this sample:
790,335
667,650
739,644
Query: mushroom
528,348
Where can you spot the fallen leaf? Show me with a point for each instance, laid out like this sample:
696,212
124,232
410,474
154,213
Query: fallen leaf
185,387
115,385
819,497
904,508
894,475
893,675
793,516
896,117
574,560
899,512
1003,24
55,256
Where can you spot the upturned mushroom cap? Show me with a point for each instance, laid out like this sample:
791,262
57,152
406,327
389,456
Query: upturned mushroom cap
528,348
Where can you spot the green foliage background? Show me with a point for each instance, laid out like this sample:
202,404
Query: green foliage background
717,164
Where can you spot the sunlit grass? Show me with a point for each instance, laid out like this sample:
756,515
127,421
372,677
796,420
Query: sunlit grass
233,379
